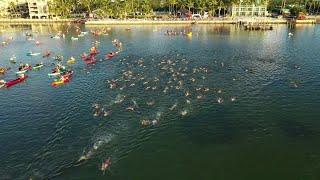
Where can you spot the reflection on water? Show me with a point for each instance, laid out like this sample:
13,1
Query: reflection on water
219,103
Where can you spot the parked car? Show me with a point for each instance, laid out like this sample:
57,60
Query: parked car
196,16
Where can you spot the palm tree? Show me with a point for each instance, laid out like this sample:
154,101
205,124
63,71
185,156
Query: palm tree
190,4
13,8
212,4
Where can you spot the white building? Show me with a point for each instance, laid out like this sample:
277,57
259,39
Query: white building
3,8
249,10
38,9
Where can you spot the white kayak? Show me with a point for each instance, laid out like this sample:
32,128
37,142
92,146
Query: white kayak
33,54
56,37
37,67
21,72
54,74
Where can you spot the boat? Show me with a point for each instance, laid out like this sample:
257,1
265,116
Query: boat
189,34
24,70
16,81
74,39
32,54
60,82
21,72
67,74
58,58
3,70
81,35
56,37
72,60
84,32
111,55
38,66
92,61
13,59
54,74
2,83
46,54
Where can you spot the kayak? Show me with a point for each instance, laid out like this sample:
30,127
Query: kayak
111,55
67,74
59,82
32,54
46,55
37,67
3,70
13,60
55,37
71,61
54,74
22,72
91,61
16,81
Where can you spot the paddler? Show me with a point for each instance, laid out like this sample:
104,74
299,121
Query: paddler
105,165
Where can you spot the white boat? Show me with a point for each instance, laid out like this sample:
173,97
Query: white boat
34,54
21,72
37,67
84,32
74,39
81,35
56,37
54,74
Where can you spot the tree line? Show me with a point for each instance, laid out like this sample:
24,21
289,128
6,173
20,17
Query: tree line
145,8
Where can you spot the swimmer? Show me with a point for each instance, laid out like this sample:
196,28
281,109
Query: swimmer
151,103
220,100
184,112
154,122
105,165
145,122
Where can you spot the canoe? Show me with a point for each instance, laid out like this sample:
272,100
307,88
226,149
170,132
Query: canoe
37,67
54,74
16,81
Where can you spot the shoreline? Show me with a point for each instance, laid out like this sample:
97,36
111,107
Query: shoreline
161,22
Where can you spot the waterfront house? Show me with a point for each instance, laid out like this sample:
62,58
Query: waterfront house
38,9
244,9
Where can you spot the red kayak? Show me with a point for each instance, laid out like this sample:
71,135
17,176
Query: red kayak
16,81
111,55
91,61
68,74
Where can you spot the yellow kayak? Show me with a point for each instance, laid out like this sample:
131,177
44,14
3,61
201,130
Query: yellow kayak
59,82
71,61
